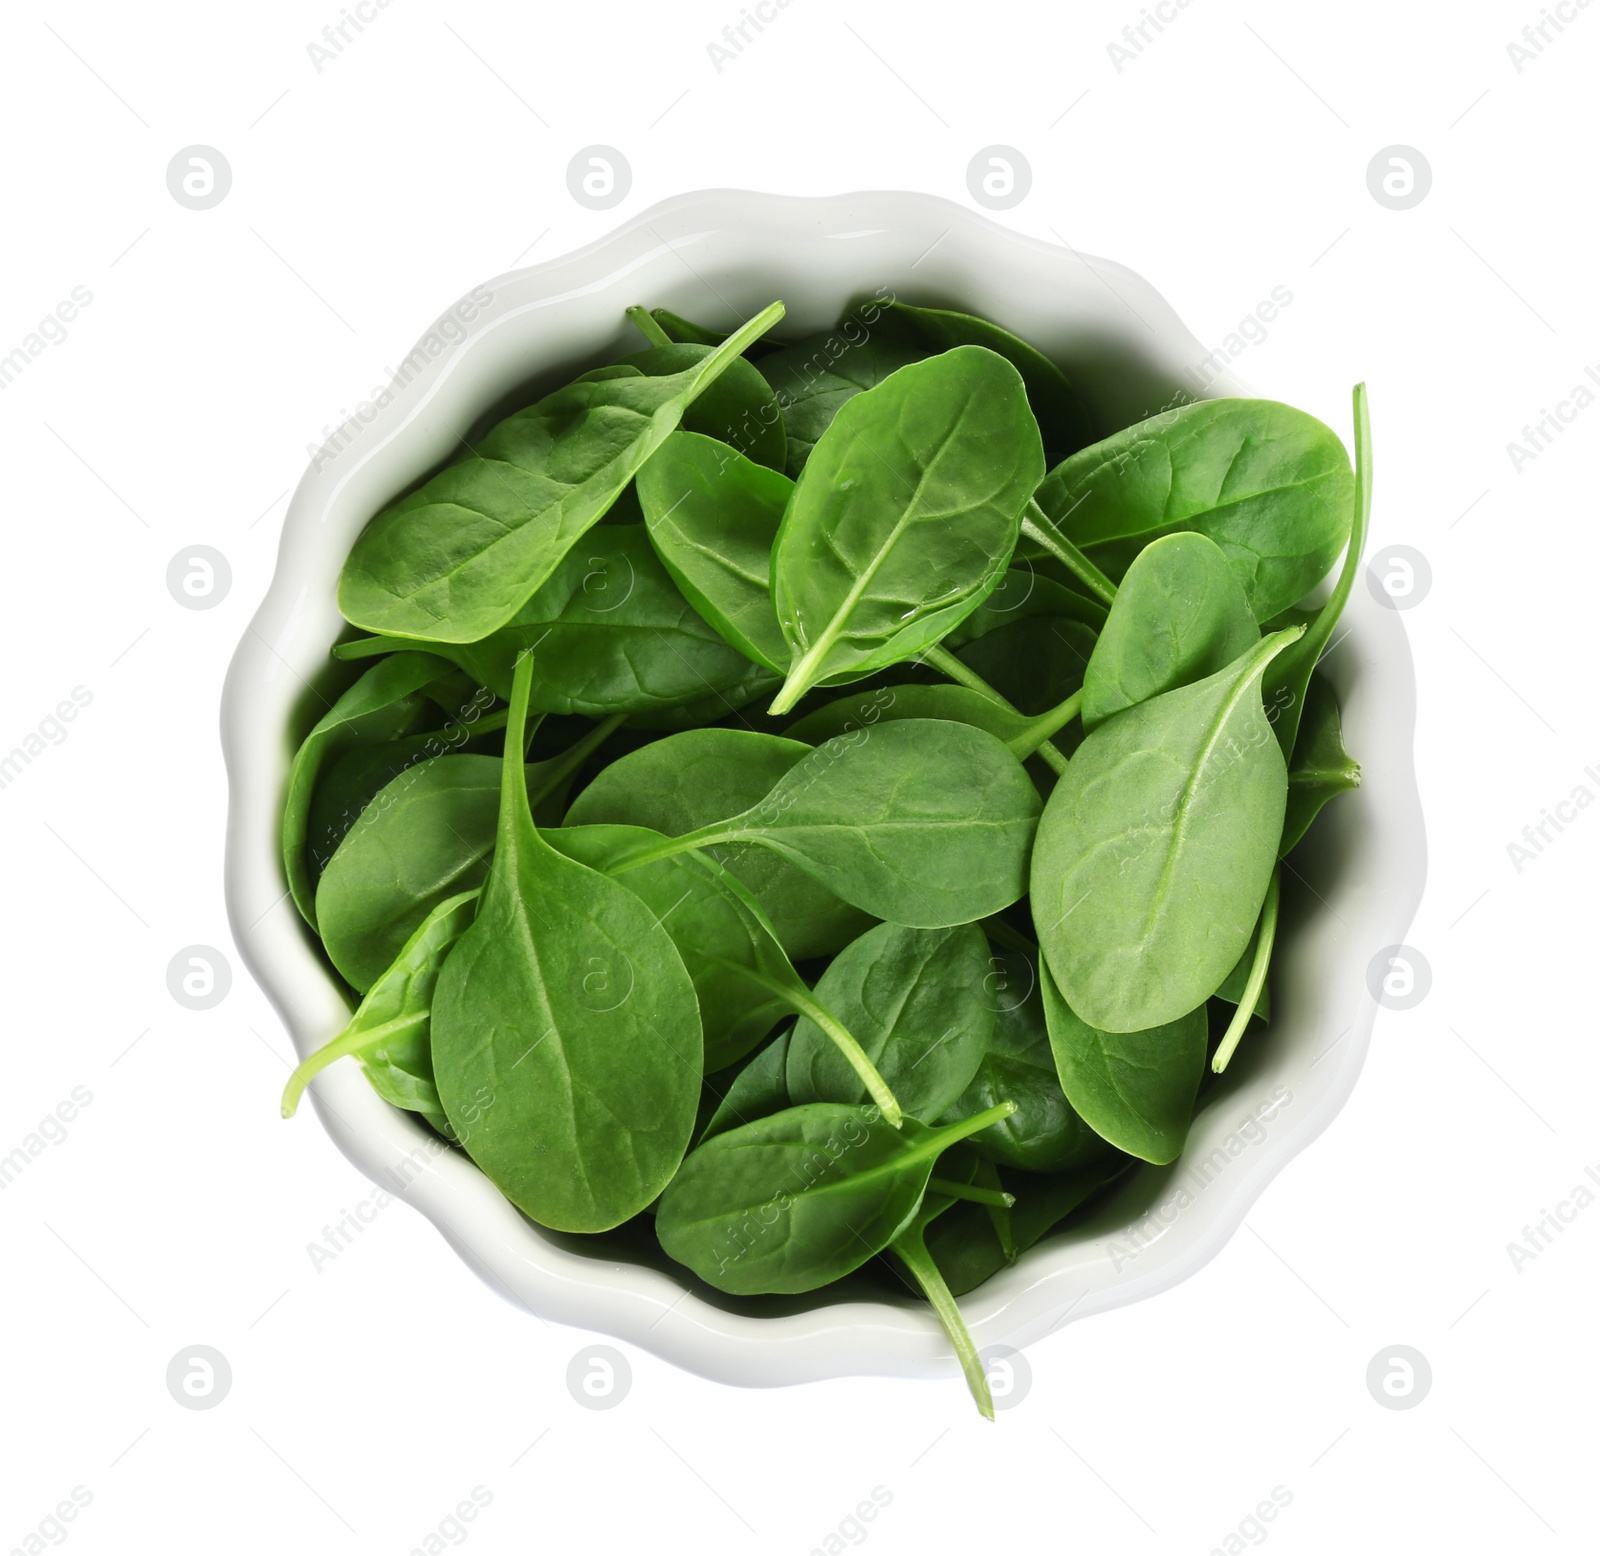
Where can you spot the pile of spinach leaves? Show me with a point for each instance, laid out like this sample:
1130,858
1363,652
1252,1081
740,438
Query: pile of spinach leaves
816,802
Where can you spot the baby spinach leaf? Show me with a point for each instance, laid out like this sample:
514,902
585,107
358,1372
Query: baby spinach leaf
965,1245
904,516
426,836
815,377
709,925
1155,849
389,1031
384,703
1045,1134
1180,615
567,1002
758,1090
1022,593
1285,686
713,515
1062,416
858,711
684,330
1035,663
923,823
914,1000
353,781
455,559
791,1202
683,782
1321,767
612,634
1135,1089
1269,484
739,408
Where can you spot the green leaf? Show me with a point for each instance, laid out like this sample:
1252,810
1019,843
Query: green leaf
923,823
1268,483
1045,1134
1023,593
964,1243
566,1034
904,517
613,635
914,1000
684,330
679,784
713,515
814,378
1035,663
1063,418
425,836
455,559
389,1032
739,408
791,1202
1179,616
1285,686
1320,767
1134,1089
758,1090
386,702
1155,849
708,924
859,711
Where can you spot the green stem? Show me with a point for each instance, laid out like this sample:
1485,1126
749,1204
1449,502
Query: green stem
371,648
913,1253
1037,526
941,659
979,1196
798,997
558,769
706,837
353,1040
1257,979
1000,1217
486,725
648,327
1047,724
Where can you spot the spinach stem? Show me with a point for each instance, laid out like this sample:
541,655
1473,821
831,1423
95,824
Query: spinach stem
912,1252
977,1194
486,725
1042,728
369,648
999,1215
799,998
1257,979
1037,526
353,1040
719,832
941,659
648,326
558,769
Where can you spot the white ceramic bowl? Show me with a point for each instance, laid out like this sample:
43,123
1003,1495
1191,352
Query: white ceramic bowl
718,257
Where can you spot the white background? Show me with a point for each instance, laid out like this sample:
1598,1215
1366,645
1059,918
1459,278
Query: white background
1228,158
